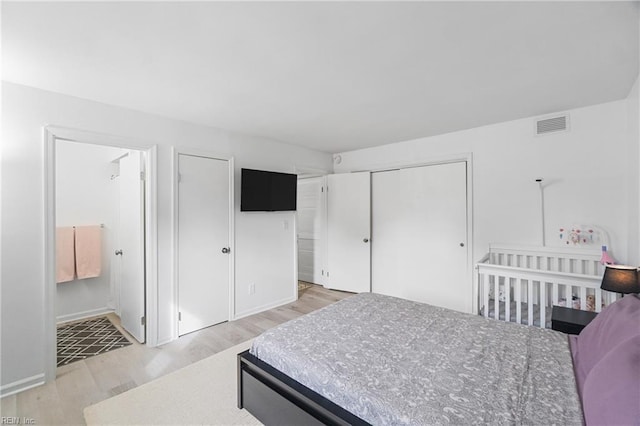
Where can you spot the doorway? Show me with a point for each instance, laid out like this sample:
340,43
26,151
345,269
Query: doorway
91,204
100,203
310,212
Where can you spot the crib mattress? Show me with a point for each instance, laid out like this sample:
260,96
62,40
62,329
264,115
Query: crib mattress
393,361
524,313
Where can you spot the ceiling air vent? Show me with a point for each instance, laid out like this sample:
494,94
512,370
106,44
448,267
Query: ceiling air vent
552,125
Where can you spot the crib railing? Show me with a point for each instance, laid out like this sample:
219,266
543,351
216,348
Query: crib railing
557,259
522,284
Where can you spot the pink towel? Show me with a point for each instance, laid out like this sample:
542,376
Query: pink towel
88,251
65,255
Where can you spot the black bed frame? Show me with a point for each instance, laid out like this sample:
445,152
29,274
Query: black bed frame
276,399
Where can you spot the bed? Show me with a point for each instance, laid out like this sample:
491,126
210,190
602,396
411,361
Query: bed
522,284
373,359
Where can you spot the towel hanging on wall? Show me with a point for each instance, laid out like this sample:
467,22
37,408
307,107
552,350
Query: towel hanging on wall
65,255
88,251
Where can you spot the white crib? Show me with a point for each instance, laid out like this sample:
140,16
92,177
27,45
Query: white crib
521,284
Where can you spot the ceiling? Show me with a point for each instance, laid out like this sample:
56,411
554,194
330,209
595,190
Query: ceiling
332,76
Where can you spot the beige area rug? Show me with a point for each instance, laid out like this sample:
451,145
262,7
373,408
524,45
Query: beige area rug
203,393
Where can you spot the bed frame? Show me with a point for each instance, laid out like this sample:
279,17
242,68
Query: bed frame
276,399
538,277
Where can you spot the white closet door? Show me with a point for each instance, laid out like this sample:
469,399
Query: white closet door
419,235
310,218
203,235
349,231
131,237
387,231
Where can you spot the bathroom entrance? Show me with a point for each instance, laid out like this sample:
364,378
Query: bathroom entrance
100,240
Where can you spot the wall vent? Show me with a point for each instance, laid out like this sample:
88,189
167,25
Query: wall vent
552,125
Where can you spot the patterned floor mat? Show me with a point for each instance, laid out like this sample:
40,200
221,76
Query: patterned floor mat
88,338
303,286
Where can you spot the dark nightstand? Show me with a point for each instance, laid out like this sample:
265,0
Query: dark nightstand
570,321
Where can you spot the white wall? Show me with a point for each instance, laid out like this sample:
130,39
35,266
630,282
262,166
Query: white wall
585,171
265,252
633,159
86,195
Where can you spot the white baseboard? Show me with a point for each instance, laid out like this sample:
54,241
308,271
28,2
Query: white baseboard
21,385
165,340
83,315
265,307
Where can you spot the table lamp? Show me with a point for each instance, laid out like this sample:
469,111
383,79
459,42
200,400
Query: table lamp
621,279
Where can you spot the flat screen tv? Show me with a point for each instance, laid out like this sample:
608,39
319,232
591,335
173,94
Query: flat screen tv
267,191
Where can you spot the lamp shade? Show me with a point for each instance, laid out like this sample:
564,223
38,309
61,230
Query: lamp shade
621,279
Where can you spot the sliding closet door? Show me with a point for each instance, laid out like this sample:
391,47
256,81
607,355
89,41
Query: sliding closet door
203,242
349,231
419,235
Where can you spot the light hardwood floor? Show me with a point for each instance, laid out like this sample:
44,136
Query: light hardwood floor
86,382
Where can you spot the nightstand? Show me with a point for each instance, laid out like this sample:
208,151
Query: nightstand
570,321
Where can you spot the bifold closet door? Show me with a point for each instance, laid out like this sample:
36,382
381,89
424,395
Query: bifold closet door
419,235
203,242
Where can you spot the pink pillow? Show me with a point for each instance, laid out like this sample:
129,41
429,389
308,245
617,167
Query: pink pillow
611,392
615,324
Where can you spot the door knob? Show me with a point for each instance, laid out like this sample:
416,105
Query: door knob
461,244
366,240
226,250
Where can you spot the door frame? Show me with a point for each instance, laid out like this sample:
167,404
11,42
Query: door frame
175,153
51,134
304,172
323,224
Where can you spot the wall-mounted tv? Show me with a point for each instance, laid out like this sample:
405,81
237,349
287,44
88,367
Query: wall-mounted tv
267,191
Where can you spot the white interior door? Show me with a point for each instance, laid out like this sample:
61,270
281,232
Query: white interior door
349,231
131,237
419,232
203,242
310,208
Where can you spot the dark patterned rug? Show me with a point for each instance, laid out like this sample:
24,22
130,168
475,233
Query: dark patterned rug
84,339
